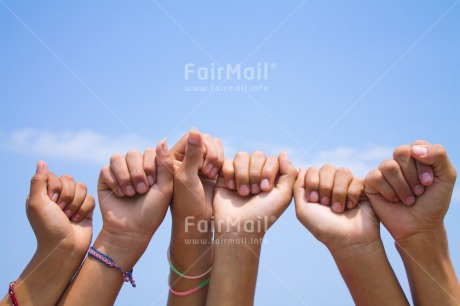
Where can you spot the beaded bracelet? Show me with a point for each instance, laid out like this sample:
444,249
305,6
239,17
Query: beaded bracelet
183,275
185,293
127,276
12,295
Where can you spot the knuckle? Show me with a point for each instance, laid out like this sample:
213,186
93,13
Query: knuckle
312,179
359,181
116,158
212,157
81,186
373,176
67,177
149,167
327,167
389,165
218,141
36,178
343,171
132,153
227,168
242,155
137,175
90,199
440,150
402,153
258,153
150,151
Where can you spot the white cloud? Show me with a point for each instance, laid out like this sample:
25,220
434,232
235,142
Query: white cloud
68,145
90,146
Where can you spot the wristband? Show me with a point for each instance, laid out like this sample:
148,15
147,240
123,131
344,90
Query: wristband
185,293
183,275
12,295
127,275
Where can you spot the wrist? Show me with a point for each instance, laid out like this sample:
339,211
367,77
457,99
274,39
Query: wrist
242,228
242,240
432,242
358,250
124,250
191,226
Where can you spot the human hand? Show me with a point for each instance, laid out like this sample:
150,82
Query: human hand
350,222
234,205
411,192
197,160
134,195
66,226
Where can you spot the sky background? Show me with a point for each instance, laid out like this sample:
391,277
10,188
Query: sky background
348,82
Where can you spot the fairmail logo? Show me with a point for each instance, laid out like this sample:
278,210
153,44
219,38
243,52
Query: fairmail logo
238,72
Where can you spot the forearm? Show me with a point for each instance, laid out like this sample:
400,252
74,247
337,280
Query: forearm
429,268
46,277
96,283
235,268
191,254
369,276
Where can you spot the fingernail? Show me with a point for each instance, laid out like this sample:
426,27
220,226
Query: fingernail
214,172
119,191
231,184
410,200
76,218
244,190
265,184
193,138
325,201
40,167
420,150
255,188
314,197
426,178
68,213
164,147
207,169
130,190
141,188
150,180
349,204
336,207
418,190
62,205
54,197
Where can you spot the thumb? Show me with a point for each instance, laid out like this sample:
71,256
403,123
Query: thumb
288,175
299,192
435,156
193,152
165,167
39,183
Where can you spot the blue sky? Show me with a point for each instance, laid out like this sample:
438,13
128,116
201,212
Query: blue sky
348,82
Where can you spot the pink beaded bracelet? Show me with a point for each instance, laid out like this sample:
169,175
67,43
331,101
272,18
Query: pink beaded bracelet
12,295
